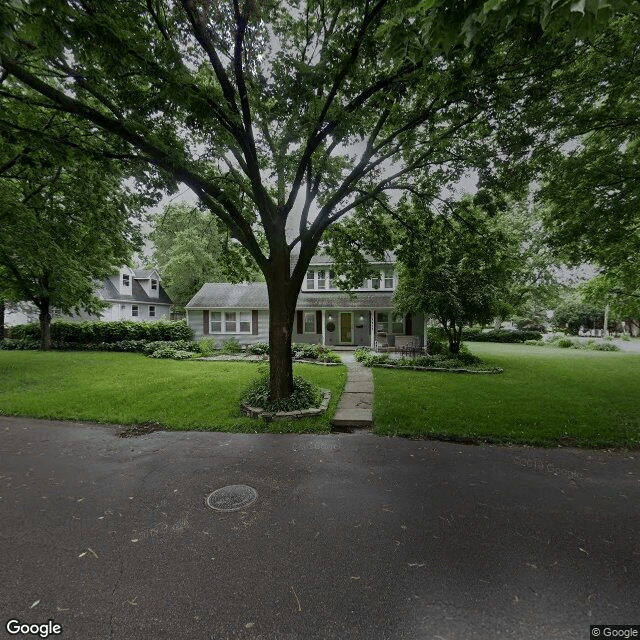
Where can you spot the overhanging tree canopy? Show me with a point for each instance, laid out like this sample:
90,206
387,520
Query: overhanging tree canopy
272,109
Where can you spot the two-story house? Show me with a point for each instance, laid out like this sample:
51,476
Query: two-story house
131,294
324,314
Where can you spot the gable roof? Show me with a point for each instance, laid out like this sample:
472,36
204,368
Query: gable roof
144,274
108,292
253,295
224,295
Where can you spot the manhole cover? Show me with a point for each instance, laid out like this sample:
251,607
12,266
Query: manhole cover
232,498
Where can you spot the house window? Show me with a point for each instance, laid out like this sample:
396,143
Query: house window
310,279
309,321
125,280
154,285
388,278
398,323
321,279
245,322
216,322
134,310
383,322
375,282
152,311
331,285
230,322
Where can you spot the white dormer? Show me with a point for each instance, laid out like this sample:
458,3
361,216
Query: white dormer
123,281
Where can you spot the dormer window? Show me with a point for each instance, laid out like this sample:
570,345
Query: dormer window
375,283
154,285
311,280
331,277
126,280
321,279
388,278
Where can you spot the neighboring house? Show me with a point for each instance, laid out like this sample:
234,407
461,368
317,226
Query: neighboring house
132,294
324,314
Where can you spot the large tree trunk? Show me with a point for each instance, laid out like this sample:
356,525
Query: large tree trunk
1,319
283,295
605,322
45,326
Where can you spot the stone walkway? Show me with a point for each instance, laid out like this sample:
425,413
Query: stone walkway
356,404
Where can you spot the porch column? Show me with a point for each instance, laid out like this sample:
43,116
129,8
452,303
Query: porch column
372,320
324,326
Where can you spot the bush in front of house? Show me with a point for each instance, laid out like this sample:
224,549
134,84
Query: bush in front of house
258,348
19,344
230,346
92,332
305,395
499,335
306,351
180,345
174,354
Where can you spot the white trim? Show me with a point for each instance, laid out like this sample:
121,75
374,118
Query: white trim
324,333
237,321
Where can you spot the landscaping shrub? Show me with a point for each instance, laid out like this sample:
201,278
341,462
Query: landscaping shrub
499,335
207,346
305,351
20,344
603,346
115,331
231,346
626,337
564,343
30,331
170,352
305,395
535,343
259,348
183,345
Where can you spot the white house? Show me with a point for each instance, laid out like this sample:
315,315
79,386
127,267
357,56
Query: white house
132,294
324,314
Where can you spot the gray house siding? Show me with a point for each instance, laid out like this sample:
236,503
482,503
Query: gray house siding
199,321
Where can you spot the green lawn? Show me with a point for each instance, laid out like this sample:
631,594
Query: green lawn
546,396
127,388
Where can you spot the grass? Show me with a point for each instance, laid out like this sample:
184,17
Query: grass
545,397
128,388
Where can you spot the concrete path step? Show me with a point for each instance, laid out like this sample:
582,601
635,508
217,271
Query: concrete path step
356,405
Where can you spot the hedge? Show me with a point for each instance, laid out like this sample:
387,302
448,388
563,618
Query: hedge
94,332
499,335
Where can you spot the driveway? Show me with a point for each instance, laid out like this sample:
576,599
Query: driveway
352,537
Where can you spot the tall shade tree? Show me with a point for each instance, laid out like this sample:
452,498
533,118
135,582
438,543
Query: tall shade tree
459,275
190,249
591,180
268,110
65,221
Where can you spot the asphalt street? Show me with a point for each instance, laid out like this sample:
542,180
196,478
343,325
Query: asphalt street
352,537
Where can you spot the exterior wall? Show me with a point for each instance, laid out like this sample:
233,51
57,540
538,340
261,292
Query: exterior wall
122,311
361,330
195,321
146,285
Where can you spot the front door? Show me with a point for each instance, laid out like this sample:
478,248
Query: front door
346,332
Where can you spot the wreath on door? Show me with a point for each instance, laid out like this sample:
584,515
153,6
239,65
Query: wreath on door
331,326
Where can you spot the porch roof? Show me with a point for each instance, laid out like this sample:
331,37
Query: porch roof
253,295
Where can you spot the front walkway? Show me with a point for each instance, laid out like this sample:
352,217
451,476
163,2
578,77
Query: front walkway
356,405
